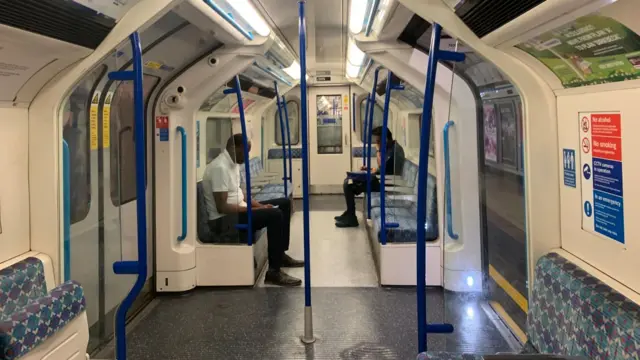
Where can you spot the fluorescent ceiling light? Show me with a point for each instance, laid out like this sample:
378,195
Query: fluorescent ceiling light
357,14
352,70
293,70
251,16
355,56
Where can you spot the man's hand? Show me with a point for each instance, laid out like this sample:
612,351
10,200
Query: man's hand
267,206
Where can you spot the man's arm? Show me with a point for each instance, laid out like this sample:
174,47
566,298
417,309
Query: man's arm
223,207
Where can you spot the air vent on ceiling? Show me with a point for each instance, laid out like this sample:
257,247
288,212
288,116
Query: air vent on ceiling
485,16
381,89
59,19
323,72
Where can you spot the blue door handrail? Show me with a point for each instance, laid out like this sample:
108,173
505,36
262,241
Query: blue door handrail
383,158
286,116
245,149
372,103
425,135
353,111
283,140
136,267
447,181
183,135
364,130
66,193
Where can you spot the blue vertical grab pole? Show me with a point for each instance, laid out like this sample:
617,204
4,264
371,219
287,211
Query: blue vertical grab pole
353,111
283,140
308,337
139,266
286,116
245,149
383,158
425,136
372,103
66,193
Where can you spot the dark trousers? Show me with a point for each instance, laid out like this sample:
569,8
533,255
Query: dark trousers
357,187
277,221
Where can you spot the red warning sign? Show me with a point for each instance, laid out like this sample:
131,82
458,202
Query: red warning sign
605,125
607,147
586,145
162,122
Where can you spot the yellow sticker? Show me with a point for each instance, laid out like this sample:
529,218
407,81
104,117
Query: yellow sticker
93,120
152,65
345,100
106,120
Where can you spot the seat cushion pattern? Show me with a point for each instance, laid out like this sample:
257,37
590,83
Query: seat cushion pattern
20,283
573,313
39,319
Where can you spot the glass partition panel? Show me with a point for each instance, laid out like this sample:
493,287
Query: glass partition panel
329,124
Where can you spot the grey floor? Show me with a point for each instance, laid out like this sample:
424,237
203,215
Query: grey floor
353,317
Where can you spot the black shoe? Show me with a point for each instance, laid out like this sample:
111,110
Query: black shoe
347,222
289,262
277,277
340,217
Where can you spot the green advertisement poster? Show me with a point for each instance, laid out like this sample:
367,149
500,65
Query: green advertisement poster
593,49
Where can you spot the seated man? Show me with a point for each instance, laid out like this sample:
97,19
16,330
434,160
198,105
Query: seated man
394,163
226,206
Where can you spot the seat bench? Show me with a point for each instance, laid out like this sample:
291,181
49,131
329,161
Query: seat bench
572,313
30,315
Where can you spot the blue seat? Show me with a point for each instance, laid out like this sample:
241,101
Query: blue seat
29,314
403,211
572,313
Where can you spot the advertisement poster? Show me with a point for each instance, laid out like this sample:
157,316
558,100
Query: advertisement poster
490,133
601,174
593,49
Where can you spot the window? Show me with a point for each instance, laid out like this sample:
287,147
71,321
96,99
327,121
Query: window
76,112
219,130
122,128
329,124
378,114
293,110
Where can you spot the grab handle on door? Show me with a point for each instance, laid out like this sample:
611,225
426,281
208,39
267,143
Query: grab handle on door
183,134
447,182
346,140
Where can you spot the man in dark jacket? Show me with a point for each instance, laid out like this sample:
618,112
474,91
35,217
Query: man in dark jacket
394,158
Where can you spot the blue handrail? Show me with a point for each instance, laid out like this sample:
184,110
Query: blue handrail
283,141
245,149
425,136
139,266
383,158
364,130
372,103
286,116
353,111
371,17
447,181
230,20
66,191
302,35
272,73
183,134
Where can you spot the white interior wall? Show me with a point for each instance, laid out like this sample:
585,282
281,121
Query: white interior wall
612,258
14,182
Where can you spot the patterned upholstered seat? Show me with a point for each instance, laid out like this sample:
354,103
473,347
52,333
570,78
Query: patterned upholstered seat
29,315
401,210
572,313
441,355
276,153
276,188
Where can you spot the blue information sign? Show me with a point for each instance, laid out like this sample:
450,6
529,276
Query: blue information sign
608,217
569,164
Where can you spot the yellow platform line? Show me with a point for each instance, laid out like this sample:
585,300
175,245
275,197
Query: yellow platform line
509,289
515,329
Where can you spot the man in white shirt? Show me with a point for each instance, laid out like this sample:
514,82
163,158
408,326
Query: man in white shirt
226,207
